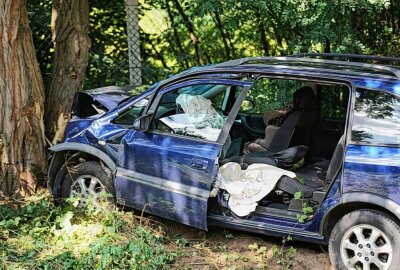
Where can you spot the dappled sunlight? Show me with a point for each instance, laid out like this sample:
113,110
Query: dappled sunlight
38,235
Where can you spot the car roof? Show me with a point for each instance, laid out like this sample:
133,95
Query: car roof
385,77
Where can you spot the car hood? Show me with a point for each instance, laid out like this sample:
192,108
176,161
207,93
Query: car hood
99,101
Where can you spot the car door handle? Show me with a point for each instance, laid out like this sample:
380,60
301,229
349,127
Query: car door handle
199,164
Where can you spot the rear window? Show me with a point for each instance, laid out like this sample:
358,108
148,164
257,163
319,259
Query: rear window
376,118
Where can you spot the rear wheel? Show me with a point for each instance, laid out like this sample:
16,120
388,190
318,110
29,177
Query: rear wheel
365,239
88,181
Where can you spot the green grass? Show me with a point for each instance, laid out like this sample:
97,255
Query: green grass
35,234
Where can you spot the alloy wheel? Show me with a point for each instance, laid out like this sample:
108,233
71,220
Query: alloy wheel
86,186
366,247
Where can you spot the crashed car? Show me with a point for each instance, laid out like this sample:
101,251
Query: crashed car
306,146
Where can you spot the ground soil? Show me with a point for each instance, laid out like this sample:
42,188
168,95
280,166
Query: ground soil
222,249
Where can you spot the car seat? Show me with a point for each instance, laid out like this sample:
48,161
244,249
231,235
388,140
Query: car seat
315,176
296,128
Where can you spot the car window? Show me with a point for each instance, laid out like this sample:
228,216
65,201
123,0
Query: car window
192,111
129,116
267,94
376,118
334,99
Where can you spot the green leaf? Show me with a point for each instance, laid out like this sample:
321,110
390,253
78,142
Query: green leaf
110,229
65,220
298,195
307,210
301,218
253,246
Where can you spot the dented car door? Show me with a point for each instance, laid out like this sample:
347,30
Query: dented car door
169,169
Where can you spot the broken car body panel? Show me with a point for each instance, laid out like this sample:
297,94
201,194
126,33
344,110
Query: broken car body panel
172,176
176,183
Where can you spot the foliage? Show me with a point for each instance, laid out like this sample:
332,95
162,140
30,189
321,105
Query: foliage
108,62
38,235
223,30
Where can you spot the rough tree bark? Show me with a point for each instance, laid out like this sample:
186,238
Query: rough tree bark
22,154
70,28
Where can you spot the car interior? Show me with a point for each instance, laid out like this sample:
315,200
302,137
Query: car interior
290,124
306,137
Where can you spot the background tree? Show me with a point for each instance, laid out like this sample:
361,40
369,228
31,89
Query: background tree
179,34
21,103
70,30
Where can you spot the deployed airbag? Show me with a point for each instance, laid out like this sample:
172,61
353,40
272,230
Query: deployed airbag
199,111
247,187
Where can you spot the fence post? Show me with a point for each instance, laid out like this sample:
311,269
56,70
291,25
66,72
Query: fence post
132,27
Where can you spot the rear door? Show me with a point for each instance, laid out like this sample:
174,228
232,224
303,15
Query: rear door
372,163
169,170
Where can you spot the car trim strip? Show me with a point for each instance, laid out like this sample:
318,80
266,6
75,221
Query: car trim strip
164,184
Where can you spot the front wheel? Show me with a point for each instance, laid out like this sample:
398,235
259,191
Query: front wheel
367,240
88,180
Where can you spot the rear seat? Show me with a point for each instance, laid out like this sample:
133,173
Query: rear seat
284,159
315,176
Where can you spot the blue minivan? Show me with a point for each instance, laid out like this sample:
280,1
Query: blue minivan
306,145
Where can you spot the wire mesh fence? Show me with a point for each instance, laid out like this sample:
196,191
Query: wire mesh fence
131,44
39,18
135,44
114,59
143,41
133,36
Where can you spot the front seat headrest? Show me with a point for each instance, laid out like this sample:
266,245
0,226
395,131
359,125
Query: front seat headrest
304,99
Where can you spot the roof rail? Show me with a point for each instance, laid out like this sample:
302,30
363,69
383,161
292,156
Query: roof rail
349,56
242,61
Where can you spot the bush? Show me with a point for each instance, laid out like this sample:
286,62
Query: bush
37,235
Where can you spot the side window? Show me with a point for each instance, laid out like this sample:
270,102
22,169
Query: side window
334,100
272,94
376,118
129,116
192,111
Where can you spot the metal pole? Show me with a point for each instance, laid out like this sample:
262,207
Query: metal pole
132,26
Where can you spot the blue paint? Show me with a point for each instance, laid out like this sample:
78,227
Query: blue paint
163,158
373,169
166,158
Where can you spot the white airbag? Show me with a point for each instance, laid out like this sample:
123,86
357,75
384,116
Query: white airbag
247,187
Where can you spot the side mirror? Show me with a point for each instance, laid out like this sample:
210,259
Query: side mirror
247,106
143,122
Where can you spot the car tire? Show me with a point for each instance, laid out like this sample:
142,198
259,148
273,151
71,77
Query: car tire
365,237
87,179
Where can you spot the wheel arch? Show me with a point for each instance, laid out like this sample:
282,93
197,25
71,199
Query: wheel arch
355,201
59,158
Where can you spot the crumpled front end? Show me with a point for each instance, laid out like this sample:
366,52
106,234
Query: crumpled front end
98,101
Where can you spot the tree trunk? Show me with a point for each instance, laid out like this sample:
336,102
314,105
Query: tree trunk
190,28
327,48
181,56
70,29
158,55
263,36
22,154
220,27
395,15
224,38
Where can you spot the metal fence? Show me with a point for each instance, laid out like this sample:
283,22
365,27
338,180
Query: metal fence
124,68
133,36
41,32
